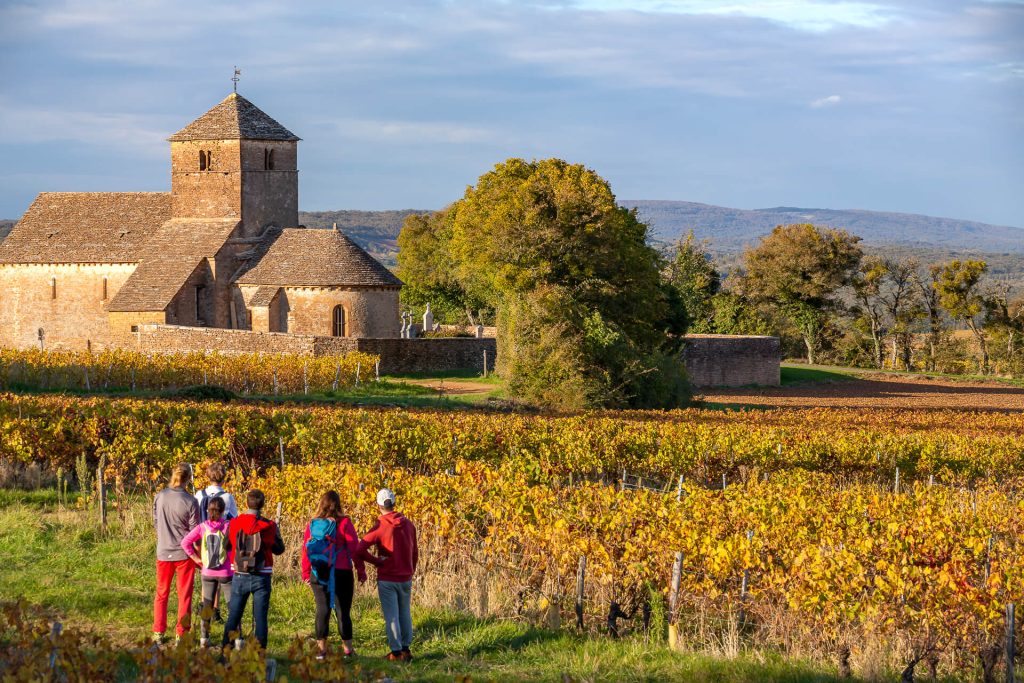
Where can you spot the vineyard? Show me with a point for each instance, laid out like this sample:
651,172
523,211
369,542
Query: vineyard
133,371
839,535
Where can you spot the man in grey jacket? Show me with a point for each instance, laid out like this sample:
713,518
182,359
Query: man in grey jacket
175,513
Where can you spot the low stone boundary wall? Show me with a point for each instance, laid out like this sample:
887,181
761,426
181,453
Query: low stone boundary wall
722,360
396,355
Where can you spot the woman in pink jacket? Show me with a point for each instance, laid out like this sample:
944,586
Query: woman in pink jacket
207,545
346,541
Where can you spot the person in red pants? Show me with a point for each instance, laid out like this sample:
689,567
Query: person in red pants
175,514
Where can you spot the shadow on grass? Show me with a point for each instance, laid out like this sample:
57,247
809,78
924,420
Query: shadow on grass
477,637
791,375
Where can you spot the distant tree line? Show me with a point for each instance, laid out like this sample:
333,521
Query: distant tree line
832,303
589,314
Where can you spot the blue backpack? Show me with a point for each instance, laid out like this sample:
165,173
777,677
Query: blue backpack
322,550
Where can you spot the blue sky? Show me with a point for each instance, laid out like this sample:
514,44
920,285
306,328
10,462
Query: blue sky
911,105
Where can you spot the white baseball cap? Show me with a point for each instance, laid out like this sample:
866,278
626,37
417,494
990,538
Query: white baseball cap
385,496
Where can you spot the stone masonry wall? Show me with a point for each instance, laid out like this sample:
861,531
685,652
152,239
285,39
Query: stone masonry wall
66,300
369,312
397,355
718,360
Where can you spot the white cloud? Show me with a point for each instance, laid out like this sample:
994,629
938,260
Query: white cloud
807,15
830,101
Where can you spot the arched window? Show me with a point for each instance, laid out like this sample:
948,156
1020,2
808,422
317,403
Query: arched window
268,159
338,322
204,161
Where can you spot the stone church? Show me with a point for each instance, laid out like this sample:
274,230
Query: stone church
223,249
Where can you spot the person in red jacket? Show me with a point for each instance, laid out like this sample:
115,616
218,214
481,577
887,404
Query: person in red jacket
252,565
394,539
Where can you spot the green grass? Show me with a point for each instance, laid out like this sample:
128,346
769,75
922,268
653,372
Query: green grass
795,374
57,559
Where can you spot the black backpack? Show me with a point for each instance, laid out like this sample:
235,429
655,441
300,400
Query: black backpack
204,514
248,555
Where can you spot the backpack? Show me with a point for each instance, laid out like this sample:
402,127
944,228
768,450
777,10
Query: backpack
248,556
321,550
204,514
213,548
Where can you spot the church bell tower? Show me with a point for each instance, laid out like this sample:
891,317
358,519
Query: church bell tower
235,161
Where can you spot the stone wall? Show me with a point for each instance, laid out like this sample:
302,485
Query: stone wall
369,312
720,360
67,301
397,355
212,193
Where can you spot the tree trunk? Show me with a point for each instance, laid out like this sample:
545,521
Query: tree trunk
809,343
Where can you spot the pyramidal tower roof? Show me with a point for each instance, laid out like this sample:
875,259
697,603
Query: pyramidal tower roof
235,118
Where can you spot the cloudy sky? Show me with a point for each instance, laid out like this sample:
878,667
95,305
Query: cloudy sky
896,105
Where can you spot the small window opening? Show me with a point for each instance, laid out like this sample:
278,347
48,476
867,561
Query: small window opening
209,160
53,288
200,318
103,290
270,160
135,328
203,161
338,322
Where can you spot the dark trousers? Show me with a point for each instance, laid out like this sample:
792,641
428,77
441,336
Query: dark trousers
344,586
241,587
212,587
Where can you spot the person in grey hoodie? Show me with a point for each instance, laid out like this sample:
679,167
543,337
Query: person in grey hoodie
175,513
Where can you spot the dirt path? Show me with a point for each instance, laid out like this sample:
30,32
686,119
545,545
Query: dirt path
459,387
878,390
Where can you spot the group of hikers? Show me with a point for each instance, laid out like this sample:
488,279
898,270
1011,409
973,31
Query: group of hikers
235,553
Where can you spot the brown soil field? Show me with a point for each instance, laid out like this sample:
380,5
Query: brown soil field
879,390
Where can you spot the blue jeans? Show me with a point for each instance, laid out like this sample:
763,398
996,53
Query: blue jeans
394,602
241,586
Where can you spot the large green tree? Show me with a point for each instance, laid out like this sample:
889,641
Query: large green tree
799,269
584,317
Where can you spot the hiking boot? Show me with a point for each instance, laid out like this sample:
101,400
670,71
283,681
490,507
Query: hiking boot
405,655
393,657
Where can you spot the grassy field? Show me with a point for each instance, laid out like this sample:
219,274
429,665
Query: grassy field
55,557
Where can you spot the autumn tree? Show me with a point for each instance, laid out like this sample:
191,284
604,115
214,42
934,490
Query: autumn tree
959,286
799,269
692,274
583,315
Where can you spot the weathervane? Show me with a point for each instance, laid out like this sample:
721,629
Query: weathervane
235,78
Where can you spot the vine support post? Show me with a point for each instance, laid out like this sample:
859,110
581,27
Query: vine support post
101,493
724,482
673,600
280,450
896,486
305,377
581,581
679,488
359,368
1011,645
376,370
485,363
275,381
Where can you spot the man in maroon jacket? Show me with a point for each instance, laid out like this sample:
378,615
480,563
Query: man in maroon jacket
394,539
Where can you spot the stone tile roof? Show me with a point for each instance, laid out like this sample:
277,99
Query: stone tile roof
302,257
168,259
235,118
86,227
263,296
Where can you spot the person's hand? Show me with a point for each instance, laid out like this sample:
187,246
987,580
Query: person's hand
199,563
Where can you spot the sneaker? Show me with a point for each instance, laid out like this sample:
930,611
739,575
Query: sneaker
405,655
239,642
348,652
393,656
158,638
321,656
